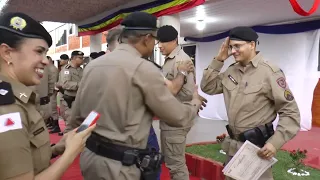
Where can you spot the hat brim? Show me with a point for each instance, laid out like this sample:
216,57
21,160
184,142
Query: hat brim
238,39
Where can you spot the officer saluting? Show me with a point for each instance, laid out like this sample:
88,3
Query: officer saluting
127,90
255,91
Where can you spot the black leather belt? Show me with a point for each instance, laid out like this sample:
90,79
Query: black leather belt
44,100
109,150
258,135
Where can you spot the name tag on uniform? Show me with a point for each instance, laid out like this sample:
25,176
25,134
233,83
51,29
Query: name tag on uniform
232,79
38,131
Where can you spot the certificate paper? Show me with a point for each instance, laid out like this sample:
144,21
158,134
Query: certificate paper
246,164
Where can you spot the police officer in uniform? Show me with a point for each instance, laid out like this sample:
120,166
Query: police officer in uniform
255,91
112,39
127,90
53,99
25,150
64,59
44,91
173,139
70,76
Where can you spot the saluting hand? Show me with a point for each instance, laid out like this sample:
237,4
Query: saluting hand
267,152
75,142
224,51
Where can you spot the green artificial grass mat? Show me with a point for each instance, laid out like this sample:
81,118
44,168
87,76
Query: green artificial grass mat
280,169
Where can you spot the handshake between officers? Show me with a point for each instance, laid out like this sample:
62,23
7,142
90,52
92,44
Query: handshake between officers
129,94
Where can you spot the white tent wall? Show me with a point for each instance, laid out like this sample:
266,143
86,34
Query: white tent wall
296,54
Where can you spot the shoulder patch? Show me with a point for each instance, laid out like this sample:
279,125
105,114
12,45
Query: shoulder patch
11,121
273,67
6,94
68,66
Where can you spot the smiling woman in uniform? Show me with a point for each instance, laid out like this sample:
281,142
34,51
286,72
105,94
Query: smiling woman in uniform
25,150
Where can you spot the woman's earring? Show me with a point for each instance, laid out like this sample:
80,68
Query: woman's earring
9,62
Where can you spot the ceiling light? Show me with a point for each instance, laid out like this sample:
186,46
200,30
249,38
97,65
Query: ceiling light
200,13
200,25
196,19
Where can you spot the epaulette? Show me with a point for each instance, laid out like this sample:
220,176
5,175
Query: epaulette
68,66
272,66
233,64
6,93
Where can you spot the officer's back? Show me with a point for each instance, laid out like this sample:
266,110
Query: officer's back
127,91
127,83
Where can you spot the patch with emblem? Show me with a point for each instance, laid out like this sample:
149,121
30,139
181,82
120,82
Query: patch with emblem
232,79
9,122
282,82
3,92
6,93
288,95
18,23
66,72
38,131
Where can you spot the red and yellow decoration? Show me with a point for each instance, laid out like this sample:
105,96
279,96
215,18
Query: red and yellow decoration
157,8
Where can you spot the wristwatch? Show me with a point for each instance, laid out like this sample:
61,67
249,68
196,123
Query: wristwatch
185,76
183,73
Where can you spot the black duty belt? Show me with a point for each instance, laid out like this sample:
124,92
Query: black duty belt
44,100
258,135
112,151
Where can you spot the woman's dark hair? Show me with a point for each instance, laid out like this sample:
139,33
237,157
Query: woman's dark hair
11,39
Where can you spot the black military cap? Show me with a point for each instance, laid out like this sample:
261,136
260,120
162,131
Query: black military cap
94,55
77,53
64,57
243,33
167,33
140,21
23,25
101,53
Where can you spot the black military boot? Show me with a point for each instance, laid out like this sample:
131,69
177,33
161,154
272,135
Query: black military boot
50,123
55,127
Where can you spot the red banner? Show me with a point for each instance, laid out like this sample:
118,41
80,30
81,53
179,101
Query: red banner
297,8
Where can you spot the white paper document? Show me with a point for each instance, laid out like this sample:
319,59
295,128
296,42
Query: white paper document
246,164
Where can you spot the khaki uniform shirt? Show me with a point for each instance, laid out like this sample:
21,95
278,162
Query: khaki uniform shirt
26,147
70,79
253,96
46,86
59,83
54,72
170,71
127,91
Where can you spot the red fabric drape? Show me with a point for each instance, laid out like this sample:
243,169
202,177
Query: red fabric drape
297,8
